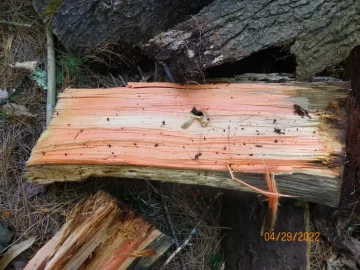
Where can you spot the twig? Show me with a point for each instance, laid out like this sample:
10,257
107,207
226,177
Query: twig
51,74
263,192
168,73
15,23
115,84
122,80
141,74
171,227
192,233
155,72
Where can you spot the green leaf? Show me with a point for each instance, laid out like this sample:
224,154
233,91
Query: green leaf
40,77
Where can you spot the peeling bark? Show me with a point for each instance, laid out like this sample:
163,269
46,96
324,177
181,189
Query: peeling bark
319,33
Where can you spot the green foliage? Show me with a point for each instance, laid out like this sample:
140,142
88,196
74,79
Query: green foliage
215,261
52,6
40,77
59,78
72,69
71,63
13,99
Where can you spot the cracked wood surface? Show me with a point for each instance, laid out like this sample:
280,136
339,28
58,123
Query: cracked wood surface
98,234
136,132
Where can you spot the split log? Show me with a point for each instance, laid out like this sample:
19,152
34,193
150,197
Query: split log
93,23
319,33
296,129
100,235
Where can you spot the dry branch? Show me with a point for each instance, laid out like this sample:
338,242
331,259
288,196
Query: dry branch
15,24
101,235
136,132
51,74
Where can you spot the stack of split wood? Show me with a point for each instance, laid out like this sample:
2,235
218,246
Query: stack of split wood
196,134
101,235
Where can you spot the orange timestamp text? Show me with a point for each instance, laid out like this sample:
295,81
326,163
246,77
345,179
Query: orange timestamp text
292,236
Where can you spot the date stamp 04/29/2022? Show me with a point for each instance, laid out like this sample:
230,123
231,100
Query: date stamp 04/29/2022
292,236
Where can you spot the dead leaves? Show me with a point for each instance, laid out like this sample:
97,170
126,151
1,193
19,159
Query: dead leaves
12,109
28,65
15,250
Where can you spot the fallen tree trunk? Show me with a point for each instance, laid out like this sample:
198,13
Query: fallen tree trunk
319,33
100,235
297,130
93,23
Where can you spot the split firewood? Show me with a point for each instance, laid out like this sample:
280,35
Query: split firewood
138,132
99,234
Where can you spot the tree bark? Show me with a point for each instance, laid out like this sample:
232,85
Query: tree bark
94,23
319,33
351,185
287,247
138,132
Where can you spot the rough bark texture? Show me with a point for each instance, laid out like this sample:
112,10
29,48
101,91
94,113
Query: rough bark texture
245,248
320,33
93,23
137,132
351,184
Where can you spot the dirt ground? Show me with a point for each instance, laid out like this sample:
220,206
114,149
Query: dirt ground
223,235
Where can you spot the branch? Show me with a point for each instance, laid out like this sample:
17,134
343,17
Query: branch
15,24
192,233
51,91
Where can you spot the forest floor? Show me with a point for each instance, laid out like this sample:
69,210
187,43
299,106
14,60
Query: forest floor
28,211
43,214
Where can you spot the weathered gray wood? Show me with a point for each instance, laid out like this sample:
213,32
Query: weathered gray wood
94,23
324,190
320,33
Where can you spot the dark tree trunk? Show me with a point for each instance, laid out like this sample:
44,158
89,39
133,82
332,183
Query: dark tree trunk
93,23
320,33
351,184
245,248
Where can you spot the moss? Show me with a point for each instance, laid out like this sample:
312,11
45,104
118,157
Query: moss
52,6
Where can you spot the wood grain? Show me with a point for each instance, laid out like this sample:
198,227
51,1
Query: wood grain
136,132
